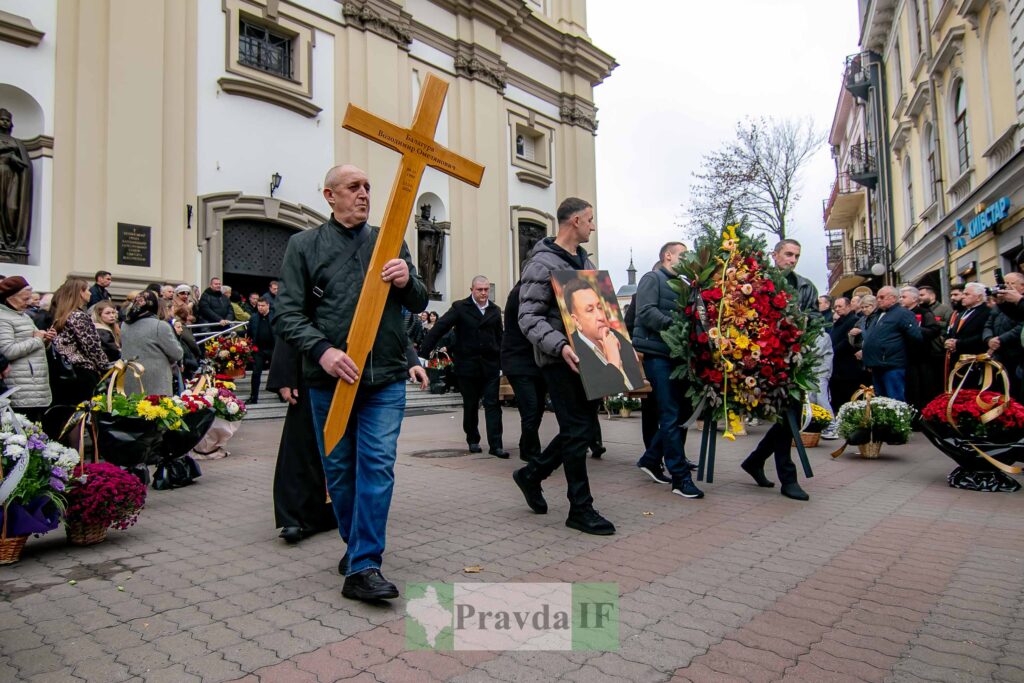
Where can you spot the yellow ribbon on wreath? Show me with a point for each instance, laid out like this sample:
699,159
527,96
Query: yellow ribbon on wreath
991,410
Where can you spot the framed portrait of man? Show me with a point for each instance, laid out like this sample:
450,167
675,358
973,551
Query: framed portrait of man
593,323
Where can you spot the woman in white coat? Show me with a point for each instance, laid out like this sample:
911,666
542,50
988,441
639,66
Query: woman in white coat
25,348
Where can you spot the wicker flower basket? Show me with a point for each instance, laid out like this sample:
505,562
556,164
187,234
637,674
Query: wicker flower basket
10,548
625,412
85,534
871,449
810,439
236,373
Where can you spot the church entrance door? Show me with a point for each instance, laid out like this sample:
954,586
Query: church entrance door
253,253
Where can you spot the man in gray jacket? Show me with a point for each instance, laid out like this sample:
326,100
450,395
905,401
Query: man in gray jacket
656,301
541,322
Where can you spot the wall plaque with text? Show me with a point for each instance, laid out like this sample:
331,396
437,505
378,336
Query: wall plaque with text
133,245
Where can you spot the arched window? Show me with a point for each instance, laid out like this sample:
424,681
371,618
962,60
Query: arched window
908,194
963,143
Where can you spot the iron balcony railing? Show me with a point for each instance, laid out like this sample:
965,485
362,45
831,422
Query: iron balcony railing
857,77
862,165
865,253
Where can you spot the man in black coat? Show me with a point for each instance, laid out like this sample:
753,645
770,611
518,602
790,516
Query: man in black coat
519,366
214,307
847,375
1003,336
262,334
923,382
477,324
98,292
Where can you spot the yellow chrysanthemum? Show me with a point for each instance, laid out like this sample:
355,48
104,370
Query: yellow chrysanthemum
743,341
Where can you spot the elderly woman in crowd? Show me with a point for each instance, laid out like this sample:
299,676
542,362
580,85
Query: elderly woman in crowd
78,342
25,347
104,317
152,342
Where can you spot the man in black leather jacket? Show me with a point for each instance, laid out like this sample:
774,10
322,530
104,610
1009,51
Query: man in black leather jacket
778,439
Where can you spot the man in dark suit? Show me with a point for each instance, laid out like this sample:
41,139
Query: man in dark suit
847,375
966,332
477,324
607,362
262,334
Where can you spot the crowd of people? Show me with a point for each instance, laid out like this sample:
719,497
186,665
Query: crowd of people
55,346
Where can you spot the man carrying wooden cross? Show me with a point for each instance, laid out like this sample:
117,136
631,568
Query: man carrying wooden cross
322,279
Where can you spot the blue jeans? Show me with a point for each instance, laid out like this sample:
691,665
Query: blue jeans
360,471
890,383
673,410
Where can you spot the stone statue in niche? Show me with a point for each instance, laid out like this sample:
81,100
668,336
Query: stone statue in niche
430,245
15,194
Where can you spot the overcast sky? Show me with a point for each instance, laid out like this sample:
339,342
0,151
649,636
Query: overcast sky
688,71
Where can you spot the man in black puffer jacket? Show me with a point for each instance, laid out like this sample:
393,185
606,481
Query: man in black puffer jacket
214,307
541,322
322,278
655,303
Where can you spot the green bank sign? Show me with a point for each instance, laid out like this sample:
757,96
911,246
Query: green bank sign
982,222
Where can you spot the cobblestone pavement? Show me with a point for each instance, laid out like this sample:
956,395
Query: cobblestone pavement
887,574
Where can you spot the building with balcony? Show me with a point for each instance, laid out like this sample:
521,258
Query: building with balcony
854,212
947,108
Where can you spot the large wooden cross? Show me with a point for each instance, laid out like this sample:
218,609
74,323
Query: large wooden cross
418,149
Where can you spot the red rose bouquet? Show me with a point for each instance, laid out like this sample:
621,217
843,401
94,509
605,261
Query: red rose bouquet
746,347
967,411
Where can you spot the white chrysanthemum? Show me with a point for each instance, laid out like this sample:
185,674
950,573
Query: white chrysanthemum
68,459
13,450
17,439
232,408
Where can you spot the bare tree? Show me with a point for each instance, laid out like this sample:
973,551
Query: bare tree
757,174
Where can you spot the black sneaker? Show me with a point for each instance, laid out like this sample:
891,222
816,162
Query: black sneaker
343,564
475,448
499,452
655,471
590,522
369,585
686,488
532,492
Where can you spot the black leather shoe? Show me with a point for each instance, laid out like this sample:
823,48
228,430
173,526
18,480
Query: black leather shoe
252,401
343,564
597,451
369,585
590,522
499,453
532,492
793,490
292,534
758,474
475,448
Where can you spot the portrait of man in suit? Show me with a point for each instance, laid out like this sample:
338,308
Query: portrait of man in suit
608,364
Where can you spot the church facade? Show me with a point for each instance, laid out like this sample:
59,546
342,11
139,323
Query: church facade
173,141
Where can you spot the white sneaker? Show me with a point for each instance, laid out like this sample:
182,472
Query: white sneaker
829,434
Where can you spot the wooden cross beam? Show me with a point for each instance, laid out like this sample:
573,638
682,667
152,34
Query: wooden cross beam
418,149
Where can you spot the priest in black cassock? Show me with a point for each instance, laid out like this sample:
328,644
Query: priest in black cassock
300,489
301,508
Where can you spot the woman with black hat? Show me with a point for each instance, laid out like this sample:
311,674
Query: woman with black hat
25,348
